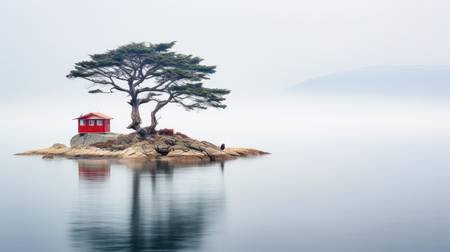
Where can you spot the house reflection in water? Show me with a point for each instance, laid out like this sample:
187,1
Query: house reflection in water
153,208
94,170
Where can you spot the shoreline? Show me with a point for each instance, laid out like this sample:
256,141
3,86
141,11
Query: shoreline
170,148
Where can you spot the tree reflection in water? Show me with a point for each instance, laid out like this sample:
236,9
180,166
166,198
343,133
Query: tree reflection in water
167,211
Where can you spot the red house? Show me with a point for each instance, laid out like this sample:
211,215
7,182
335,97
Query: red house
93,122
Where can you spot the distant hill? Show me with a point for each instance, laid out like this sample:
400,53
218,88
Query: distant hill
399,80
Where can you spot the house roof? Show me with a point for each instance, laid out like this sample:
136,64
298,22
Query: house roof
94,115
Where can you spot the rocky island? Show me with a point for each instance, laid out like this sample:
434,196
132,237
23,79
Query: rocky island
147,73
161,147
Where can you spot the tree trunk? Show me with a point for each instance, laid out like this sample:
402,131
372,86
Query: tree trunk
154,122
136,119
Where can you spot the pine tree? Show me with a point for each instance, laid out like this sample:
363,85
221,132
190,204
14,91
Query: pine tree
151,73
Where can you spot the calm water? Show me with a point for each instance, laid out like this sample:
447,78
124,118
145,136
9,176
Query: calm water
390,194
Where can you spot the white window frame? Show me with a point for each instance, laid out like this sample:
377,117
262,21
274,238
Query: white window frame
82,122
91,122
99,122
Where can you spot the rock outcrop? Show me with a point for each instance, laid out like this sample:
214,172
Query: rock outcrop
179,148
87,139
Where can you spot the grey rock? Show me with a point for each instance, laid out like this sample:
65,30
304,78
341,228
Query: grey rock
170,141
179,147
86,139
209,144
58,146
163,149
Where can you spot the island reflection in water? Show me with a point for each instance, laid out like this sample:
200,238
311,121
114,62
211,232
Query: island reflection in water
145,207
94,170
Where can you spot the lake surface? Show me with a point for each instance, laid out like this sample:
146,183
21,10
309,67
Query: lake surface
340,194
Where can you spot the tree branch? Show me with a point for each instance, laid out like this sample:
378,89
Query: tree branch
104,82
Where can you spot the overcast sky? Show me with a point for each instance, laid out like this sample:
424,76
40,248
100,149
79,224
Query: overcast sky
258,46
253,43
